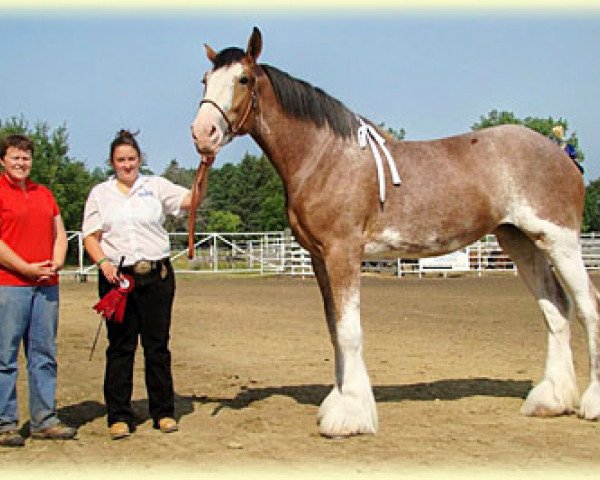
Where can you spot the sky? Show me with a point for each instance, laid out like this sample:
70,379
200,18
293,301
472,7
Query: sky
433,72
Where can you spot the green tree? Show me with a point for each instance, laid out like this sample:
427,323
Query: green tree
179,175
591,213
397,134
185,178
251,190
271,216
220,221
496,118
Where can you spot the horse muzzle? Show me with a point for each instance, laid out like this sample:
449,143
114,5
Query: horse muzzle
208,140
207,151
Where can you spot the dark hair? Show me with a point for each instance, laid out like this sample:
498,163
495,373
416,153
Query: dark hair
16,140
124,137
305,102
227,57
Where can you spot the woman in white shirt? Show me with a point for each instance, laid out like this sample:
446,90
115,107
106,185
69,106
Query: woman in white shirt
124,217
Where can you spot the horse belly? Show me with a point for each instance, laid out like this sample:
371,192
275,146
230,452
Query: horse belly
424,235
391,243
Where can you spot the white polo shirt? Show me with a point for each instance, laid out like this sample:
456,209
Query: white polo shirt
133,224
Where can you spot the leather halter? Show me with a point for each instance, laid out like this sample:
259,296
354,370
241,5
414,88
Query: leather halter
233,130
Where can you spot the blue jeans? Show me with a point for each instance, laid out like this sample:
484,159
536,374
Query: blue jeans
30,315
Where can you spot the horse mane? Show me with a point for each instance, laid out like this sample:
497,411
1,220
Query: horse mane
305,102
300,99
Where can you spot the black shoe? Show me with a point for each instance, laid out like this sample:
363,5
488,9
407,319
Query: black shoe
11,438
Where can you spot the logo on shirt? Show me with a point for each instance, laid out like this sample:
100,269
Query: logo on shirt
145,193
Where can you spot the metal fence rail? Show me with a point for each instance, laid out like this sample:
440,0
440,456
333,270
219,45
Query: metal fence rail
278,252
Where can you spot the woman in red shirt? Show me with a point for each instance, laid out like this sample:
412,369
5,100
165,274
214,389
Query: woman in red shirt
33,246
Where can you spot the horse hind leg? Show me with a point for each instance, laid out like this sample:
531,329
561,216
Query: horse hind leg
350,408
564,250
590,401
557,393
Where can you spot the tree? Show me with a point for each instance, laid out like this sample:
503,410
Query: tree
220,221
252,190
496,118
178,175
68,179
591,212
397,134
185,178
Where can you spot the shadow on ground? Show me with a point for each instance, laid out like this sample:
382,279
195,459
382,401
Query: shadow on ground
79,414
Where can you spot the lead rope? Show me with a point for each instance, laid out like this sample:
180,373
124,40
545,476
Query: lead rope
368,135
198,192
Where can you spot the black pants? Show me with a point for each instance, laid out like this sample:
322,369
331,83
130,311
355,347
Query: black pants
147,315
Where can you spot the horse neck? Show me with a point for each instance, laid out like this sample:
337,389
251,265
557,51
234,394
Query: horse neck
290,144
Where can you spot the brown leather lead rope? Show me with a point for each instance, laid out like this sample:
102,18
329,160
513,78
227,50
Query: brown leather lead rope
198,192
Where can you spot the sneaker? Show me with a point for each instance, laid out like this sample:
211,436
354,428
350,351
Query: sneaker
167,425
55,432
11,438
119,430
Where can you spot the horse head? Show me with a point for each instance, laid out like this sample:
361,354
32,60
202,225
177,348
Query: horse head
229,101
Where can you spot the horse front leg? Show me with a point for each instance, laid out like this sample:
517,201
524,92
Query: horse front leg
349,409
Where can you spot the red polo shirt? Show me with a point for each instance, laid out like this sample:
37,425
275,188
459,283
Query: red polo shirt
26,226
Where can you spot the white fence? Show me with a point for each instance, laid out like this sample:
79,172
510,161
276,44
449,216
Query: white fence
278,252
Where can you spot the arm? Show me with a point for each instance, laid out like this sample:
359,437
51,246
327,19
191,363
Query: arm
11,261
59,252
92,228
186,203
173,197
94,250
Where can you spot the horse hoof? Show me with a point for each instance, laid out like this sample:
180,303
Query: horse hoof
333,436
544,411
346,422
334,432
592,417
544,401
590,403
346,415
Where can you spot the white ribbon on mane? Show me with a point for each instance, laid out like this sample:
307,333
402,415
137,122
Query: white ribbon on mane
367,134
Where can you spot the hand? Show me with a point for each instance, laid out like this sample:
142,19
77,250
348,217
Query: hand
109,271
56,266
40,271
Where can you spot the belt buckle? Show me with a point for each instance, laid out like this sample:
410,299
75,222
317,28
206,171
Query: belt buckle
142,267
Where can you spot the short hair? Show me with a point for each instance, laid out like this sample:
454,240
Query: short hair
16,140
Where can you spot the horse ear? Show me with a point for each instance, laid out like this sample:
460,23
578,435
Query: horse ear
254,44
210,53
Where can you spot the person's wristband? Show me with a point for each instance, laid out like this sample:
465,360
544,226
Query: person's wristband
101,261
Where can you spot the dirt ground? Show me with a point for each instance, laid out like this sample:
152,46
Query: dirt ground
451,361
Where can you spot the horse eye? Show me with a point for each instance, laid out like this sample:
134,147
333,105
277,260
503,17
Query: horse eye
244,80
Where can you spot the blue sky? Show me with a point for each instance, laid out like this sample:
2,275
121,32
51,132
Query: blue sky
433,73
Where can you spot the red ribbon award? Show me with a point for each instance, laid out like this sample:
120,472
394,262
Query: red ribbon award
112,305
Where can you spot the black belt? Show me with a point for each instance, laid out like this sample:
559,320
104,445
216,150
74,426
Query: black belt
144,267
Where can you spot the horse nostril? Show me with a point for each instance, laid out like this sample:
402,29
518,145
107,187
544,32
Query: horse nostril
213,131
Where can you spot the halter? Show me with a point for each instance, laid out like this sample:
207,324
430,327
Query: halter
233,130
